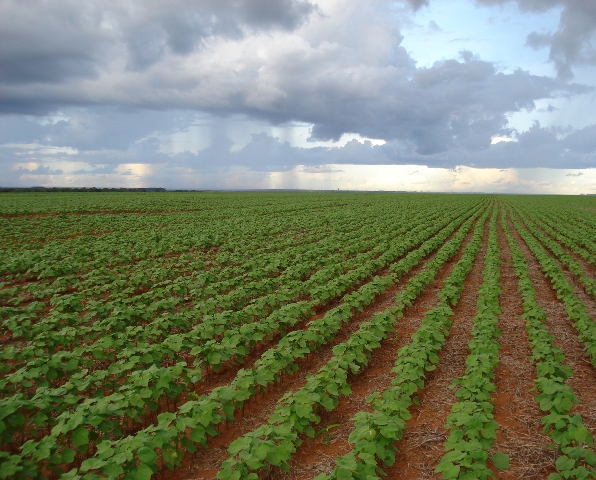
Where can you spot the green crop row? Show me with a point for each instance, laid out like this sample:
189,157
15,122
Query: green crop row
575,309
130,311
123,402
555,229
578,227
257,307
207,412
570,222
471,422
575,268
262,273
108,288
273,443
567,432
376,432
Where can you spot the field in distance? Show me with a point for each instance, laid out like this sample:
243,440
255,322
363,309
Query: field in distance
297,336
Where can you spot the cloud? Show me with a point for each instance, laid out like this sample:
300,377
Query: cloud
181,27
39,170
320,169
108,82
572,45
433,27
267,162
58,40
417,4
526,5
453,103
583,140
549,109
548,147
275,68
544,147
105,169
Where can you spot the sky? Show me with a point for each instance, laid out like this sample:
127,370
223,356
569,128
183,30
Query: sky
415,95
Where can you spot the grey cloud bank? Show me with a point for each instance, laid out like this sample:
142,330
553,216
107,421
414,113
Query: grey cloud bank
108,81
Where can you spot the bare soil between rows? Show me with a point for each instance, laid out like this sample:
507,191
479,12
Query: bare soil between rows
318,455
566,338
516,412
421,448
205,463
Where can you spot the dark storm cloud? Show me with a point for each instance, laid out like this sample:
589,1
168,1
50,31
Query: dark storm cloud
263,153
92,129
126,74
19,129
114,129
40,170
545,147
182,25
438,116
526,5
583,140
48,41
320,169
52,41
452,104
538,147
96,170
572,44
417,4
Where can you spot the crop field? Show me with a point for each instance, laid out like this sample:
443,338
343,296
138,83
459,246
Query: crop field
297,336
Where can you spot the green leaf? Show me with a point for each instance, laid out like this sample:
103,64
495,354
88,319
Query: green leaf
344,474
197,434
501,461
143,472
112,470
7,469
262,451
165,418
564,463
80,438
242,443
449,470
146,455
68,455
69,475
214,358
91,464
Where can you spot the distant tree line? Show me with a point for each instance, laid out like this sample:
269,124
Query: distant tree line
81,189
